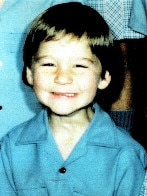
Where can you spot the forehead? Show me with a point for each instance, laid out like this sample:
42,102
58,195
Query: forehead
69,43
61,36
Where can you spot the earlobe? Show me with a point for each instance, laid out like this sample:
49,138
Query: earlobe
103,83
29,76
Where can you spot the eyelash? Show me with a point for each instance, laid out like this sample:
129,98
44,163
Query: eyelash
48,64
81,66
52,65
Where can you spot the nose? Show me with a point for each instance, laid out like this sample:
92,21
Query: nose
63,76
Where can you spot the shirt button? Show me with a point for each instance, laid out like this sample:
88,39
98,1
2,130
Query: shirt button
62,170
1,107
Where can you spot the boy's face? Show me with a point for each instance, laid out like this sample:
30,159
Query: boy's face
65,75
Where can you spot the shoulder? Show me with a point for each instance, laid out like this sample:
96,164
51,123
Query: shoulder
26,130
107,133
15,131
125,139
129,148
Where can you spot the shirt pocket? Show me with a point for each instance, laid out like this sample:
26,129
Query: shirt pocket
33,192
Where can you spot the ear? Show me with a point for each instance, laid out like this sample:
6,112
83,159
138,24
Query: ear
103,83
29,76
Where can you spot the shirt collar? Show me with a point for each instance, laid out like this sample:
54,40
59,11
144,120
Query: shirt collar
101,131
35,130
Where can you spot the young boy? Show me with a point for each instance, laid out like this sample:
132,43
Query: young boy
72,147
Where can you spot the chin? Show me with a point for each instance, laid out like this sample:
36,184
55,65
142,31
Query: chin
63,113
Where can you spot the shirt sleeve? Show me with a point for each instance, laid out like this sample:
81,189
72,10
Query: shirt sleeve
6,182
130,172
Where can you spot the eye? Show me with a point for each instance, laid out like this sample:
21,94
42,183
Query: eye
81,66
48,65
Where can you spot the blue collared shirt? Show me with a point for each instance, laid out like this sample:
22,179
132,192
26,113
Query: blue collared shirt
105,161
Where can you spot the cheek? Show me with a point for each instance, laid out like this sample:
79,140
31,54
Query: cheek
90,81
39,82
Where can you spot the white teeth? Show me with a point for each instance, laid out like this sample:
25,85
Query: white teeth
65,94
69,95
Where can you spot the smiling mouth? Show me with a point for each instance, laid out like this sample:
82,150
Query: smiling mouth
64,94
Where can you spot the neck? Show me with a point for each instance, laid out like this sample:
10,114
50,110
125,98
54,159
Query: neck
76,121
67,130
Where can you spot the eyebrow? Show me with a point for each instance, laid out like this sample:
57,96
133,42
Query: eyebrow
93,61
38,58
